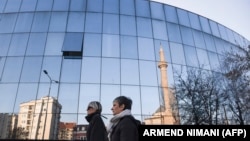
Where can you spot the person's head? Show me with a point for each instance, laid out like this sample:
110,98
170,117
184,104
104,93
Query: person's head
94,107
120,104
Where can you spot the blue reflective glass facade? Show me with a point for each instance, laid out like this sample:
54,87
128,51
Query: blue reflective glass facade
98,50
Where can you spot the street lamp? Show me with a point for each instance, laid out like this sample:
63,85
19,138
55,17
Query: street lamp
50,82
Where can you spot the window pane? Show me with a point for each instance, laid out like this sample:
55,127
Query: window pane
61,5
58,22
144,27
191,56
128,25
177,53
214,61
31,69
166,50
129,47
18,44
92,45
76,22
4,44
205,25
12,6
41,22
111,6
187,36
54,44
127,7
78,5
91,70
111,76
95,5
28,5
153,93
69,67
142,8
44,5
36,44
146,49
24,22
209,42
7,23
157,11
2,5
93,21
8,100
127,73
194,20
148,73
110,46
183,17
199,39
73,42
159,30
203,59
53,66
12,69
110,23
174,33
171,14
214,28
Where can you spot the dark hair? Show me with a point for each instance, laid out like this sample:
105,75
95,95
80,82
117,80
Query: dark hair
96,105
124,100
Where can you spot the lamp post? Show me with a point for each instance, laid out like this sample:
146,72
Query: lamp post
50,82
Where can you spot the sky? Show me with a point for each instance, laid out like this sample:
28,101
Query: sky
234,14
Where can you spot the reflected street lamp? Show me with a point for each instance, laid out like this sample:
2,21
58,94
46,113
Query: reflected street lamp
50,82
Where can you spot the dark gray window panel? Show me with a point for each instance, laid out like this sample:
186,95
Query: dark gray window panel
160,30
78,5
92,44
58,22
91,70
144,27
36,44
28,5
12,69
127,73
199,39
5,40
191,56
76,22
95,5
203,59
128,25
127,7
54,44
72,46
110,23
194,21
61,5
129,47
177,53
110,76
187,36
148,72
41,22
183,17
111,6
18,44
12,6
93,21
174,33
205,26
110,45
44,5
214,28
157,11
24,22
142,8
31,69
209,42
146,49
171,14
73,67
7,23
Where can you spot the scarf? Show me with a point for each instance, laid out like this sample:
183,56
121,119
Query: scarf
114,120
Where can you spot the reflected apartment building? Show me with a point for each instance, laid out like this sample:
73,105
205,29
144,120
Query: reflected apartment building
98,50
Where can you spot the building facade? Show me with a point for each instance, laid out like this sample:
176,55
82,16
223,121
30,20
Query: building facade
82,50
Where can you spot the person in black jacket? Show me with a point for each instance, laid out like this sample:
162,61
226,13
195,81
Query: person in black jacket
122,126
96,130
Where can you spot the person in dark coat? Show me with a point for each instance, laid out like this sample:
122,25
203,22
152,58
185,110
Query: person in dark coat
122,126
96,130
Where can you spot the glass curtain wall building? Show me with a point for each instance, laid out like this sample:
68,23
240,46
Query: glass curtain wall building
58,55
